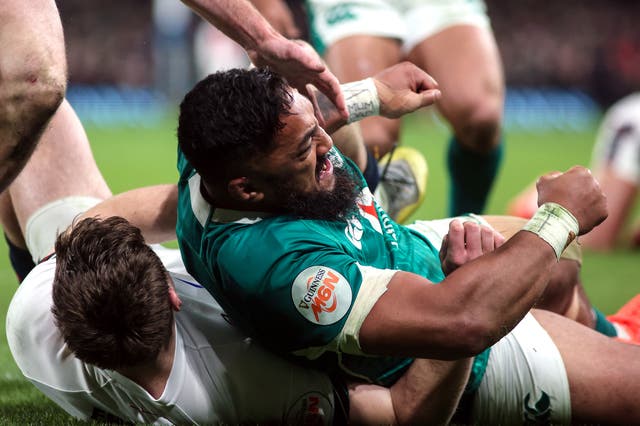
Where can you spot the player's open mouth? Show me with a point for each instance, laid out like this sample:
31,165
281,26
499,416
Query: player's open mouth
324,168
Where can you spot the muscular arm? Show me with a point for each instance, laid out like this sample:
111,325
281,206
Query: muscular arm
239,20
32,78
279,16
427,393
484,299
152,209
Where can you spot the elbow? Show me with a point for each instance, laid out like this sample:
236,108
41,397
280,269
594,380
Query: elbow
473,336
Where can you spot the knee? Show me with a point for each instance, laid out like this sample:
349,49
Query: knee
31,96
41,91
477,122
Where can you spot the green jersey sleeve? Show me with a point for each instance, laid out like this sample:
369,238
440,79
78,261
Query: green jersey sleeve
299,287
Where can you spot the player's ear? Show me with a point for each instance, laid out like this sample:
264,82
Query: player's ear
243,190
174,299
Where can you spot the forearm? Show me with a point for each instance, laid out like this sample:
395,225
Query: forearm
238,19
362,101
478,303
153,209
429,391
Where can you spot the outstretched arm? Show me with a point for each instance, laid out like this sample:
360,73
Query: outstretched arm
152,209
484,299
239,20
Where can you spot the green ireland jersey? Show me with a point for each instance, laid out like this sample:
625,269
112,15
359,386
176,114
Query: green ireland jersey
290,282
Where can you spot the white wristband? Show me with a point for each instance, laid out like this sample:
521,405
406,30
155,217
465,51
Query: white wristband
361,98
554,224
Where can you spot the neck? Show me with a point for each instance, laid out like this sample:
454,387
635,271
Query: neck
153,376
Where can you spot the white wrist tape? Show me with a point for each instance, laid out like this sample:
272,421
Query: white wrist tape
554,224
361,98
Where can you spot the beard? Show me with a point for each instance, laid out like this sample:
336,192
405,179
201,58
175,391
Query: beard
333,205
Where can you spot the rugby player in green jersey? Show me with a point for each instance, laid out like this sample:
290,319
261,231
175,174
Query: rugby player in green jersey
282,230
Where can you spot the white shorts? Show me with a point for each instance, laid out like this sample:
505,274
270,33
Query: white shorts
50,220
618,143
525,381
410,21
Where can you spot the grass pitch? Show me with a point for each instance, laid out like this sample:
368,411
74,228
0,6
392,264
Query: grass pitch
131,157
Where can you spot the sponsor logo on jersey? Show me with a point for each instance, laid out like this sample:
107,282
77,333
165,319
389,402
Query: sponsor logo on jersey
322,295
340,13
354,232
313,408
367,208
539,413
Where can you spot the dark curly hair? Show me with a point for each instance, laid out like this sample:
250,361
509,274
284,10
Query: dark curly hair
229,117
110,294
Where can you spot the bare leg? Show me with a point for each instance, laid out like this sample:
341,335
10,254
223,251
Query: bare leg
9,221
32,78
603,373
464,60
61,166
352,59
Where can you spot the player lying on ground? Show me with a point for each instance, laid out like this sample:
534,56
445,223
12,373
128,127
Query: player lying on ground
243,382
334,281
145,362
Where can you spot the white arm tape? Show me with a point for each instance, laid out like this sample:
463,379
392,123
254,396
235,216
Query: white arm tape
554,224
374,284
361,98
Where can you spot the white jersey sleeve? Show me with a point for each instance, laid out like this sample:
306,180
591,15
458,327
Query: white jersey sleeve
218,375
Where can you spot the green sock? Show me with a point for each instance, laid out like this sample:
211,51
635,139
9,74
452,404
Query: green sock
472,175
603,325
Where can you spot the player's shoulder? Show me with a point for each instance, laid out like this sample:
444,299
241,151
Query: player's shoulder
32,299
33,338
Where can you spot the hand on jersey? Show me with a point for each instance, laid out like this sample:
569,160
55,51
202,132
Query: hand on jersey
465,242
404,88
577,191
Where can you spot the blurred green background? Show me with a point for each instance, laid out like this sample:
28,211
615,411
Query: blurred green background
131,157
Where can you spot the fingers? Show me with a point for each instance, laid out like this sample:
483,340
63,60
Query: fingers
473,240
423,80
317,74
444,248
456,243
490,239
465,242
547,177
331,89
428,97
303,53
